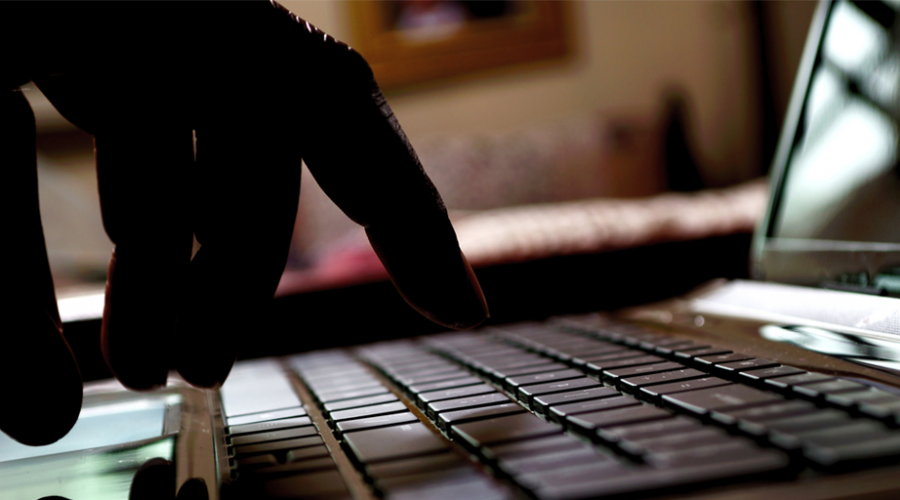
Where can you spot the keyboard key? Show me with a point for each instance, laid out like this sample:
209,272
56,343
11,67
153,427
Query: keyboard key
329,374
307,453
804,378
560,412
375,422
256,387
622,480
820,389
531,447
465,403
589,474
430,479
634,383
503,429
699,353
676,425
620,353
328,397
597,349
518,359
863,441
634,371
446,384
262,437
719,398
542,404
432,377
391,443
330,378
500,374
868,395
715,452
664,342
686,347
512,383
368,411
446,419
424,369
276,446
355,383
526,393
794,425
551,461
880,410
287,423
511,363
762,413
460,392
773,372
747,364
677,442
417,465
656,391
587,423
356,403
255,462
596,367
718,359
444,485
256,418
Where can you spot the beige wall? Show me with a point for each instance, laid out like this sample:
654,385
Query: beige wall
789,22
625,54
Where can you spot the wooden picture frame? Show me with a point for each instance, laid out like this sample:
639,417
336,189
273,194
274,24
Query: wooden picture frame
524,31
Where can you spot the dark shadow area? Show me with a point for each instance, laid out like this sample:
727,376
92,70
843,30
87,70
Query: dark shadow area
515,292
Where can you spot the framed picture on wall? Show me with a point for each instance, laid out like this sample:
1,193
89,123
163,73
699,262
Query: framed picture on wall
415,41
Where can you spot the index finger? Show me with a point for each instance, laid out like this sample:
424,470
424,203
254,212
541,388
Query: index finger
359,155
38,368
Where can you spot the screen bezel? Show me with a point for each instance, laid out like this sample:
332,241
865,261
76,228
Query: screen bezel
808,262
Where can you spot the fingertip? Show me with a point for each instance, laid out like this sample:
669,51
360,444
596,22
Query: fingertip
193,489
141,382
426,265
136,371
137,325
154,480
203,375
471,310
477,291
48,392
205,359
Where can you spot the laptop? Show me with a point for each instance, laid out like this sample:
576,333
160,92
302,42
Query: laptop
787,386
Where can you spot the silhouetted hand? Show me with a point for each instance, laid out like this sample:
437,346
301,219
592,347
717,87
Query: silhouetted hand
261,89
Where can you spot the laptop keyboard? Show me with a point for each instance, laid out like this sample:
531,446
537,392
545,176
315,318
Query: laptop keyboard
558,410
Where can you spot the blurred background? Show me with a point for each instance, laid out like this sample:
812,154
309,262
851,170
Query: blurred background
520,109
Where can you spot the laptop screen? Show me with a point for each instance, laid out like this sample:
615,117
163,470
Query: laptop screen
836,211
843,181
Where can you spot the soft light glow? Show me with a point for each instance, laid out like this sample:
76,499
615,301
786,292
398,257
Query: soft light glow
854,41
88,306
